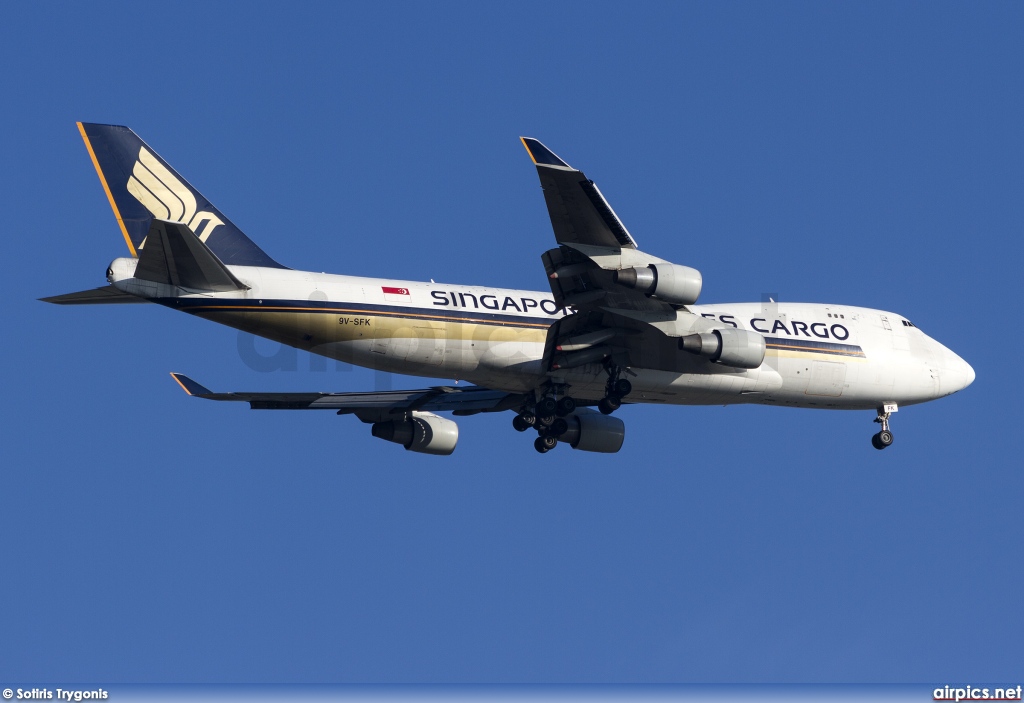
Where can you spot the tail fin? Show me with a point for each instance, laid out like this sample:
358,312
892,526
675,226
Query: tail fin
142,186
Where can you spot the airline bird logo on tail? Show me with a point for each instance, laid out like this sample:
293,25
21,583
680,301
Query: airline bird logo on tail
167,197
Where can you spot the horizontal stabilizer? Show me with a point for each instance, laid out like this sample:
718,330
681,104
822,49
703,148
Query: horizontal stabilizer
177,257
107,295
369,406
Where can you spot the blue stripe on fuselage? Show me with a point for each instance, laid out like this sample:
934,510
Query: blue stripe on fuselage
199,306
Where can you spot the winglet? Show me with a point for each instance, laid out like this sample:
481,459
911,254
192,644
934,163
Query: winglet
540,154
190,386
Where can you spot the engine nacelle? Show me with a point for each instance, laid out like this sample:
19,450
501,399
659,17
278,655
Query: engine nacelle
591,431
669,282
731,347
423,432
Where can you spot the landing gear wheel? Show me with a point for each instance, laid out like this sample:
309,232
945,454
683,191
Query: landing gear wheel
884,438
523,421
545,420
558,428
565,406
546,406
544,444
881,440
623,387
609,405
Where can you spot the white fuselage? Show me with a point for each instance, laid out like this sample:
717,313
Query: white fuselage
821,356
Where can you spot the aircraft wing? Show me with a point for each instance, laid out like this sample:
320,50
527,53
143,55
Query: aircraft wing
607,320
579,212
371,406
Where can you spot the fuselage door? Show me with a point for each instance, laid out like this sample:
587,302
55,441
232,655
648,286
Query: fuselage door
898,335
827,379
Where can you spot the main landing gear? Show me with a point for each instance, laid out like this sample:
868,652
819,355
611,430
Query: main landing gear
547,417
615,390
883,439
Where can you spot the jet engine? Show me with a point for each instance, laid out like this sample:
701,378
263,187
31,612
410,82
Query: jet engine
669,282
590,431
421,432
731,347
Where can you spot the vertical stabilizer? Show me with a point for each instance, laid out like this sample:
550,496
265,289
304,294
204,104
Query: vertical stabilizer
142,186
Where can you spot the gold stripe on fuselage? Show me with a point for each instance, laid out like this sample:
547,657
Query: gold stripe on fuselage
309,328
814,353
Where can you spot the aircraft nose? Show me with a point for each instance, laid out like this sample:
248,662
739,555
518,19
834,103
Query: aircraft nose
959,372
968,373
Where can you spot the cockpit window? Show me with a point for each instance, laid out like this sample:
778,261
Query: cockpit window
907,323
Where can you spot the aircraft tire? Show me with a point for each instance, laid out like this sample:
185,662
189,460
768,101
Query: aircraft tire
565,406
544,444
609,405
882,439
545,420
520,424
623,387
546,406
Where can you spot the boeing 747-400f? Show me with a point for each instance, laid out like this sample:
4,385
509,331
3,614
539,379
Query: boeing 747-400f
618,325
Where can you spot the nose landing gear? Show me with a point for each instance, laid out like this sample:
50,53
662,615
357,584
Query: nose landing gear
883,439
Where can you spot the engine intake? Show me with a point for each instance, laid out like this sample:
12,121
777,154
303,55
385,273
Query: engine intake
422,432
732,347
669,282
590,431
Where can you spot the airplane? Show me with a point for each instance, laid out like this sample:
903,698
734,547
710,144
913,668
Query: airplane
618,325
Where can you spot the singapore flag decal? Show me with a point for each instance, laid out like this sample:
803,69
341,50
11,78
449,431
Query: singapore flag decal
396,295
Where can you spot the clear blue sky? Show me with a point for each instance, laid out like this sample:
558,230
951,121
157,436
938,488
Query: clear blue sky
856,153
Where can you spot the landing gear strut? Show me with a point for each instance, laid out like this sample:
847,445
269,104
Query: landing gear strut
615,390
883,439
